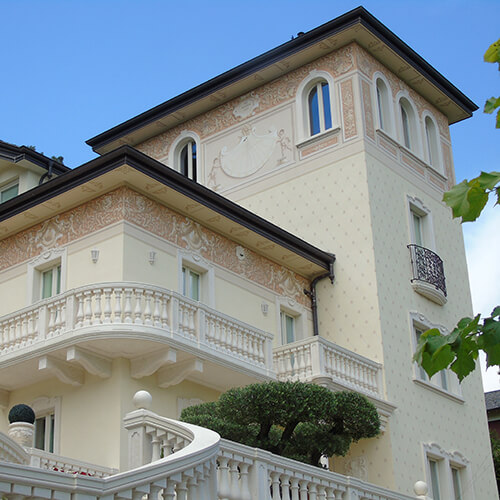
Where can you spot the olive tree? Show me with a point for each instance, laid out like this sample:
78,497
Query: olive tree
292,419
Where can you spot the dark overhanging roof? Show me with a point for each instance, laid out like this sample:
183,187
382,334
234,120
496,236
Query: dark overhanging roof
126,155
15,154
358,15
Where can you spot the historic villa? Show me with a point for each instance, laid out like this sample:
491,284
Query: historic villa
177,263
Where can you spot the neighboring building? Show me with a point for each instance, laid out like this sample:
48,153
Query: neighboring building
492,400
126,274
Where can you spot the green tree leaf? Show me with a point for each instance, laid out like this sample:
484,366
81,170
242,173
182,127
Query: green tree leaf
456,199
491,104
492,55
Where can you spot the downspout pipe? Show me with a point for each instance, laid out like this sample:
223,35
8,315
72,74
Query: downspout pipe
47,174
311,293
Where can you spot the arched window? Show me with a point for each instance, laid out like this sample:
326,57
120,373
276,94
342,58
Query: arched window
319,106
383,106
408,124
431,136
186,161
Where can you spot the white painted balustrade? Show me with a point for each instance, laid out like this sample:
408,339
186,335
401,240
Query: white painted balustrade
315,357
177,461
104,307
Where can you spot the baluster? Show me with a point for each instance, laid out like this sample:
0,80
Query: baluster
192,327
217,332
164,311
303,490
234,478
79,310
330,493
182,490
52,319
107,306
88,308
222,330
169,491
58,319
288,364
301,364
155,445
261,343
127,307
138,306
321,493
192,488
156,309
148,294
313,492
275,486
24,329
118,305
137,495
154,492
97,307
224,490
202,487
294,488
244,482
285,487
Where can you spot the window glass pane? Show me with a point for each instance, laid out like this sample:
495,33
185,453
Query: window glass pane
457,490
287,328
434,480
183,160
47,284
185,284
194,285
58,279
379,102
429,141
40,433
326,105
314,112
193,154
406,127
51,418
422,372
417,229
9,193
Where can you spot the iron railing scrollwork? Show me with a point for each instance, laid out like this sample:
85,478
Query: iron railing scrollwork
427,266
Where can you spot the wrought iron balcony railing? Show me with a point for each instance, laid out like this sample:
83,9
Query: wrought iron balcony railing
427,267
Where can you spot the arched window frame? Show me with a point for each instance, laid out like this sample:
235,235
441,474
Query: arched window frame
405,103
302,103
384,103
432,154
174,158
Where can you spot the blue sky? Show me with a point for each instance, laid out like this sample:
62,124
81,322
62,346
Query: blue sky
72,69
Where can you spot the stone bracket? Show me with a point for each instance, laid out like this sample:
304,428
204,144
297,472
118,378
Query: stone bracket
64,371
94,364
144,366
173,375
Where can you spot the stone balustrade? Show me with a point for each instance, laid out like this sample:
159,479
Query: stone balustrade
107,307
174,460
315,357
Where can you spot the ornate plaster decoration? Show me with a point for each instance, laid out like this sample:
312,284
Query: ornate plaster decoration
193,236
246,107
343,61
356,467
348,114
367,107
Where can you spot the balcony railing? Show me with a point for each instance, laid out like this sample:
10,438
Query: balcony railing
109,308
316,357
196,465
428,267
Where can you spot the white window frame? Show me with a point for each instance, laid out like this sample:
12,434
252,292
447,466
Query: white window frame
8,186
199,265
405,102
447,461
184,138
45,261
386,107
44,407
451,388
302,104
295,310
433,153
416,206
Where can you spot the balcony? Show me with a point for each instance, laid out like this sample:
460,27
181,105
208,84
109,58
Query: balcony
318,360
428,274
196,464
161,331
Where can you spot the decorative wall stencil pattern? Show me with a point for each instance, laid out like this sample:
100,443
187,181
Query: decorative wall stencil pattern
368,109
318,146
348,114
124,204
265,97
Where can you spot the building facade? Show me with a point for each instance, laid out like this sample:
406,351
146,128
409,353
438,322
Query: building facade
178,261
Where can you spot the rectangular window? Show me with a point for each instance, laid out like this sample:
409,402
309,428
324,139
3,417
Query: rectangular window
44,432
457,488
8,192
433,466
287,328
190,283
51,282
417,229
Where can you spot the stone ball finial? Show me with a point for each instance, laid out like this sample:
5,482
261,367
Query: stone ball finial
142,400
420,488
21,413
